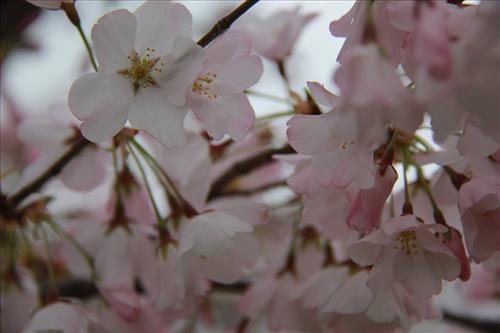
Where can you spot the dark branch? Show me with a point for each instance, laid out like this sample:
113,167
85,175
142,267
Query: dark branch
252,191
224,23
243,167
52,171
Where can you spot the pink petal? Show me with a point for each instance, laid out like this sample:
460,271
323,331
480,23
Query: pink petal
85,172
321,95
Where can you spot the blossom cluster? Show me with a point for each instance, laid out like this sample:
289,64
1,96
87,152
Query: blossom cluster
157,190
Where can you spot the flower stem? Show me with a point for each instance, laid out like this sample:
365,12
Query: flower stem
146,182
88,258
268,96
276,115
87,46
72,14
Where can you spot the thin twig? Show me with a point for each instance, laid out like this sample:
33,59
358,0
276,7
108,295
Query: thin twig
52,171
223,24
260,189
243,167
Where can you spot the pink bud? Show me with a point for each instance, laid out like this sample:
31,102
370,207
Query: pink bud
366,205
453,241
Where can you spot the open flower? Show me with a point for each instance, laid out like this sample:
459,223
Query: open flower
406,251
479,204
217,96
275,36
147,63
220,243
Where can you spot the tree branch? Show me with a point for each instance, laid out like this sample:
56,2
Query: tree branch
243,167
52,171
219,28
224,23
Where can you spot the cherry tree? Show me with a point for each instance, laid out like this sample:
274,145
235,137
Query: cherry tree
154,190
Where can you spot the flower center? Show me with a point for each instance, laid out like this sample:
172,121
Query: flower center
346,144
202,85
407,242
141,69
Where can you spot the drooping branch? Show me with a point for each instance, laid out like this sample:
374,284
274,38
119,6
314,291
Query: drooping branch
52,171
244,167
223,24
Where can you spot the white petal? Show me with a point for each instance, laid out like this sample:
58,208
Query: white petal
159,23
321,95
102,102
113,37
153,113
214,232
182,66
232,265
353,296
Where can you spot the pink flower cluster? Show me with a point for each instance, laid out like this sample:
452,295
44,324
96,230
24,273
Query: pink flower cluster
173,194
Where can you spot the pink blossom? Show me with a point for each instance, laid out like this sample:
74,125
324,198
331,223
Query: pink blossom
50,134
407,251
366,206
278,299
219,244
373,106
275,36
335,289
321,95
147,64
453,240
391,21
479,204
335,158
430,43
217,96
471,82
189,166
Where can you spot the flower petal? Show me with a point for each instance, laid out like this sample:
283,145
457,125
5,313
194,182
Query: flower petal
153,113
159,23
102,102
182,67
113,37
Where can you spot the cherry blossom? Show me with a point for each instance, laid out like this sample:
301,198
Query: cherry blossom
319,211
366,205
51,135
217,96
146,67
389,21
212,240
407,251
479,204
275,36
